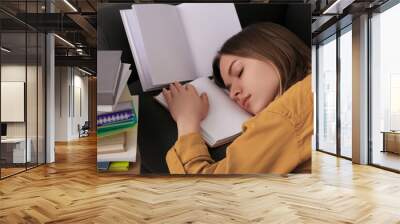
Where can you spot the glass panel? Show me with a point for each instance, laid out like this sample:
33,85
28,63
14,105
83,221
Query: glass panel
327,96
346,94
2,160
31,98
32,87
23,81
385,88
13,94
41,99
314,74
13,86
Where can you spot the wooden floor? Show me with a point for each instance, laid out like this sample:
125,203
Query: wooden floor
70,191
10,171
5,172
387,159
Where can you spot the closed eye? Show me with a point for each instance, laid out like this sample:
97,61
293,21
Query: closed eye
240,73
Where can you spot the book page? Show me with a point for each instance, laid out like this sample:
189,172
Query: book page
225,117
125,74
112,140
108,64
130,149
165,43
136,44
207,27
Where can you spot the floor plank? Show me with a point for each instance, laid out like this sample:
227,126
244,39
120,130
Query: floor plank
70,191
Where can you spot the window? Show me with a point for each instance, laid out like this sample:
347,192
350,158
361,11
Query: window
326,60
22,75
385,88
346,75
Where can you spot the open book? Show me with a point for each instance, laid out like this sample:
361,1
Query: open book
225,118
177,43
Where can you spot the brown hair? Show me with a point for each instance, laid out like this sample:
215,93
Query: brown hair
269,41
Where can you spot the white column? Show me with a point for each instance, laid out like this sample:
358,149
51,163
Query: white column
50,92
360,90
50,104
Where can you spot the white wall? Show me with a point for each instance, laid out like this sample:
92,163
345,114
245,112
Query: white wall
62,80
79,117
69,82
16,73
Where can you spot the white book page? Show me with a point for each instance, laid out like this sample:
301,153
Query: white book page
104,108
165,43
112,140
130,147
207,27
125,74
136,44
108,64
225,117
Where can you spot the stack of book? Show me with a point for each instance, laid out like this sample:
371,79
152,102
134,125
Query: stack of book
117,137
117,114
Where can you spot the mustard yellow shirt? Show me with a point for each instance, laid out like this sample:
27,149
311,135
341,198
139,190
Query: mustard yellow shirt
276,140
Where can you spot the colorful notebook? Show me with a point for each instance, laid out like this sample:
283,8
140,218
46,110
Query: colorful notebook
115,117
117,122
103,166
119,166
115,128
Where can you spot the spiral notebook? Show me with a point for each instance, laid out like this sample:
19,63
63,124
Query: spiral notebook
115,117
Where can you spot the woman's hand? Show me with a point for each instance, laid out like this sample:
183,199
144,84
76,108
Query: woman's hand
186,106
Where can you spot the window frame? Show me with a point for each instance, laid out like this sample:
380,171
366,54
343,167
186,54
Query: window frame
334,37
379,10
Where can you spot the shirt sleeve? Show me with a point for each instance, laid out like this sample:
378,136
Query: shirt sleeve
267,145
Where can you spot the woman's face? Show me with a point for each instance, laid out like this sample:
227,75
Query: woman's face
252,83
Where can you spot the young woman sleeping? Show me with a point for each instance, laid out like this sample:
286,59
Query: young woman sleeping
266,69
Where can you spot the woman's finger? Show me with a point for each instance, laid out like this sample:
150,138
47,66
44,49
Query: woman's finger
192,89
178,86
206,103
167,95
204,98
173,90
